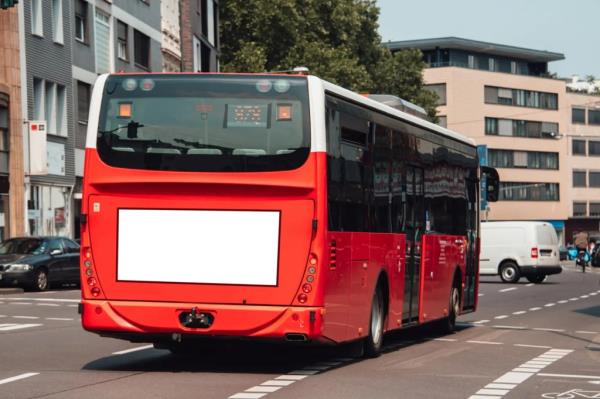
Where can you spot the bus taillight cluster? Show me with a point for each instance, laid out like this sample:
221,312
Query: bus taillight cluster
90,277
310,278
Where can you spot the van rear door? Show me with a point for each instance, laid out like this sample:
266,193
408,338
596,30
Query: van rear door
547,245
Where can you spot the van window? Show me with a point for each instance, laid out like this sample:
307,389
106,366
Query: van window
546,235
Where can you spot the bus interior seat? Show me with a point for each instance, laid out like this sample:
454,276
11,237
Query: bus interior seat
204,151
249,151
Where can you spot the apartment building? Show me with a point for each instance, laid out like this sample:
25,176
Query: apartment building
199,35
503,97
12,203
583,146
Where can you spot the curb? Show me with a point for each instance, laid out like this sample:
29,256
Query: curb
10,291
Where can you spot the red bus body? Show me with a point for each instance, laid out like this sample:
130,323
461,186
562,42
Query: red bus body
325,279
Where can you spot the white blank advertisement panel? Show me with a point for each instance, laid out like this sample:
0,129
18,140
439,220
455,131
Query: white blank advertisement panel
193,246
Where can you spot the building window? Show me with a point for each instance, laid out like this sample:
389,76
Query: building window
594,179
83,102
578,147
579,209
197,61
102,42
595,210
517,191
579,178
523,159
593,117
141,47
122,50
520,98
210,21
37,26
205,57
578,115
594,148
81,21
49,104
57,21
520,128
440,90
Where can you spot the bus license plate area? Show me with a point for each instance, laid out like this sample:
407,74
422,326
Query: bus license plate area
198,246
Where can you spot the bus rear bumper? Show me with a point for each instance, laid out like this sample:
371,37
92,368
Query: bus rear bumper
130,318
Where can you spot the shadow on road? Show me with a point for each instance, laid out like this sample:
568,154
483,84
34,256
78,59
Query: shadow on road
255,357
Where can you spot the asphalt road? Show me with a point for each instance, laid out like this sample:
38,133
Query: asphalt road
525,341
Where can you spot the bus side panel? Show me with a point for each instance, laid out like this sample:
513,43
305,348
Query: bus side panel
443,254
387,254
337,287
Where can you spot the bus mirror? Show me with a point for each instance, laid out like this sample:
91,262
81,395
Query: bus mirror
492,183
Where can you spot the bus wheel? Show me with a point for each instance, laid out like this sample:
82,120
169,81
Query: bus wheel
448,324
374,341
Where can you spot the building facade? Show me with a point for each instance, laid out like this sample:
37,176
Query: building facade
171,35
199,35
583,172
503,97
12,189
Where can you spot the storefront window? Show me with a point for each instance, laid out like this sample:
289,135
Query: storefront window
48,211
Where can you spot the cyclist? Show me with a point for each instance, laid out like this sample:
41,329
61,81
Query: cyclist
582,241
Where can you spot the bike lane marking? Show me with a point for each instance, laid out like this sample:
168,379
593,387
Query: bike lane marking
520,374
17,377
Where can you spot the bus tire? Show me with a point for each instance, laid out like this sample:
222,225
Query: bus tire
374,341
448,324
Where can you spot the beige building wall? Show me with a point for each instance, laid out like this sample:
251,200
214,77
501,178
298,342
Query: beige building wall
586,162
466,110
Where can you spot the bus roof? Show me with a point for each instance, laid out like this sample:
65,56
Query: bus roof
395,112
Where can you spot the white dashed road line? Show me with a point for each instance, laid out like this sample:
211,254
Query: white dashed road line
139,348
519,374
485,342
17,377
533,346
501,317
64,300
587,377
508,289
12,327
25,317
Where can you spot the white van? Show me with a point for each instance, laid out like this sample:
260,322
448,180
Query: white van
515,249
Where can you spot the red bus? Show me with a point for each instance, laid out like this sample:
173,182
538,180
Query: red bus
271,206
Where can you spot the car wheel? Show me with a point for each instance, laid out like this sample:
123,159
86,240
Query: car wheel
40,280
537,278
509,272
374,341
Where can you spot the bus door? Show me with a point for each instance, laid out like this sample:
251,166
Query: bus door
471,261
415,225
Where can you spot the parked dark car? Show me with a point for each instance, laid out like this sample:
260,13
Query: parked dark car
38,262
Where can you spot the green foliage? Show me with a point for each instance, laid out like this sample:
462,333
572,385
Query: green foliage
336,39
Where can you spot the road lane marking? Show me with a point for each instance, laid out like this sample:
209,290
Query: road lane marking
533,346
501,317
584,296
563,301
520,312
43,299
25,317
247,395
17,377
510,327
549,305
518,375
549,329
263,389
60,318
534,309
500,386
480,294
278,383
484,342
529,285
586,332
139,348
573,299
591,377
291,377
445,339
12,327
21,303
480,321
47,304
508,289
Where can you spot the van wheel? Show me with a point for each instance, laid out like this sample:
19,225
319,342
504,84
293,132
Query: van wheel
509,272
374,341
537,278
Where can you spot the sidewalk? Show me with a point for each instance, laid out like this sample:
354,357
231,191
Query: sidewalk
570,266
11,291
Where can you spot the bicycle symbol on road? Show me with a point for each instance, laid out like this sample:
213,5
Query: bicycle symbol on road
573,394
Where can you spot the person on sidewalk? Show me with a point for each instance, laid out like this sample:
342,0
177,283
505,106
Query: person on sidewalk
582,241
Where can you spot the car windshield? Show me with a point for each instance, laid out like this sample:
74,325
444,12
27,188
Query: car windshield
25,246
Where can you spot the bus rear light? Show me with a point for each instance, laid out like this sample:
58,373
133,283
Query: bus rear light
91,281
89,272
95,291
310,279
87,263
534,253
312,260
302,298
307,288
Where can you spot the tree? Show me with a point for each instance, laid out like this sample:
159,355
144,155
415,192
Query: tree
336,39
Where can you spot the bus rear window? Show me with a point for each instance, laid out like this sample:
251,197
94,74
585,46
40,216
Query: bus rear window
205,123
